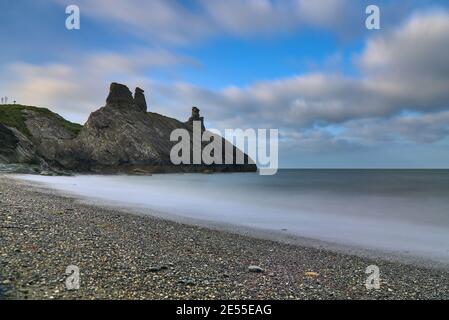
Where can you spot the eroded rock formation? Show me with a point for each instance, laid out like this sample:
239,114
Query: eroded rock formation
119,94
196,117
139,99
119,137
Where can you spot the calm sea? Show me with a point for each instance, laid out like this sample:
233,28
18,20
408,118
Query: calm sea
404,211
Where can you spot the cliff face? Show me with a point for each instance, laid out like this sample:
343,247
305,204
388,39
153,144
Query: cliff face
119,137
32,136
15,147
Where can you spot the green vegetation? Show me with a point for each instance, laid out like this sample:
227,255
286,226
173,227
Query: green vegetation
13,116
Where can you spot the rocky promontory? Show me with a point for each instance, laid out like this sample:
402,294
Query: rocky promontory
120,137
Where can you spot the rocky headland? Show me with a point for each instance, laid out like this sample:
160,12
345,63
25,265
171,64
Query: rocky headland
121,137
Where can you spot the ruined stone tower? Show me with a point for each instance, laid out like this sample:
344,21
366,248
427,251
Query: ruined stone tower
196,117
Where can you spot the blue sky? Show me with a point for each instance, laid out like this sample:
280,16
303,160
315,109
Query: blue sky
341,95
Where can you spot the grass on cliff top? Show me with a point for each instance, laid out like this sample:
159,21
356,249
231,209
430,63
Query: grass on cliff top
12,116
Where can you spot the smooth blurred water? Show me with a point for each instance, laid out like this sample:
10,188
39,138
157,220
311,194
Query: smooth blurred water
399,210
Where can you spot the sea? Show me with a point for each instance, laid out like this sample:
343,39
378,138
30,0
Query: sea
404,212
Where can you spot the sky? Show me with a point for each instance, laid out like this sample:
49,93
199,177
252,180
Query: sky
341,96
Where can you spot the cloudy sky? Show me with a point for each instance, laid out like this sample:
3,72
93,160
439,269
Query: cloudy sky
340,95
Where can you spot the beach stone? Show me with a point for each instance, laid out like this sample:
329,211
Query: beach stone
115,264
154,269
187,281
311,274
255,269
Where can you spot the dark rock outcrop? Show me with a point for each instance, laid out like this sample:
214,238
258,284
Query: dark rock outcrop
196,117
119,94
9,143
119,137
15,147
139,99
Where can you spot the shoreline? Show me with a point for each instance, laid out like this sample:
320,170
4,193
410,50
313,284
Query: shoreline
280,236
124,255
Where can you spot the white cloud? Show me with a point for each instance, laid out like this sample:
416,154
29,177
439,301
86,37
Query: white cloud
77,88
411,64
401,71
409,128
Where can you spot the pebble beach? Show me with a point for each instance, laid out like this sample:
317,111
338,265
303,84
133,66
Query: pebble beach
129,256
